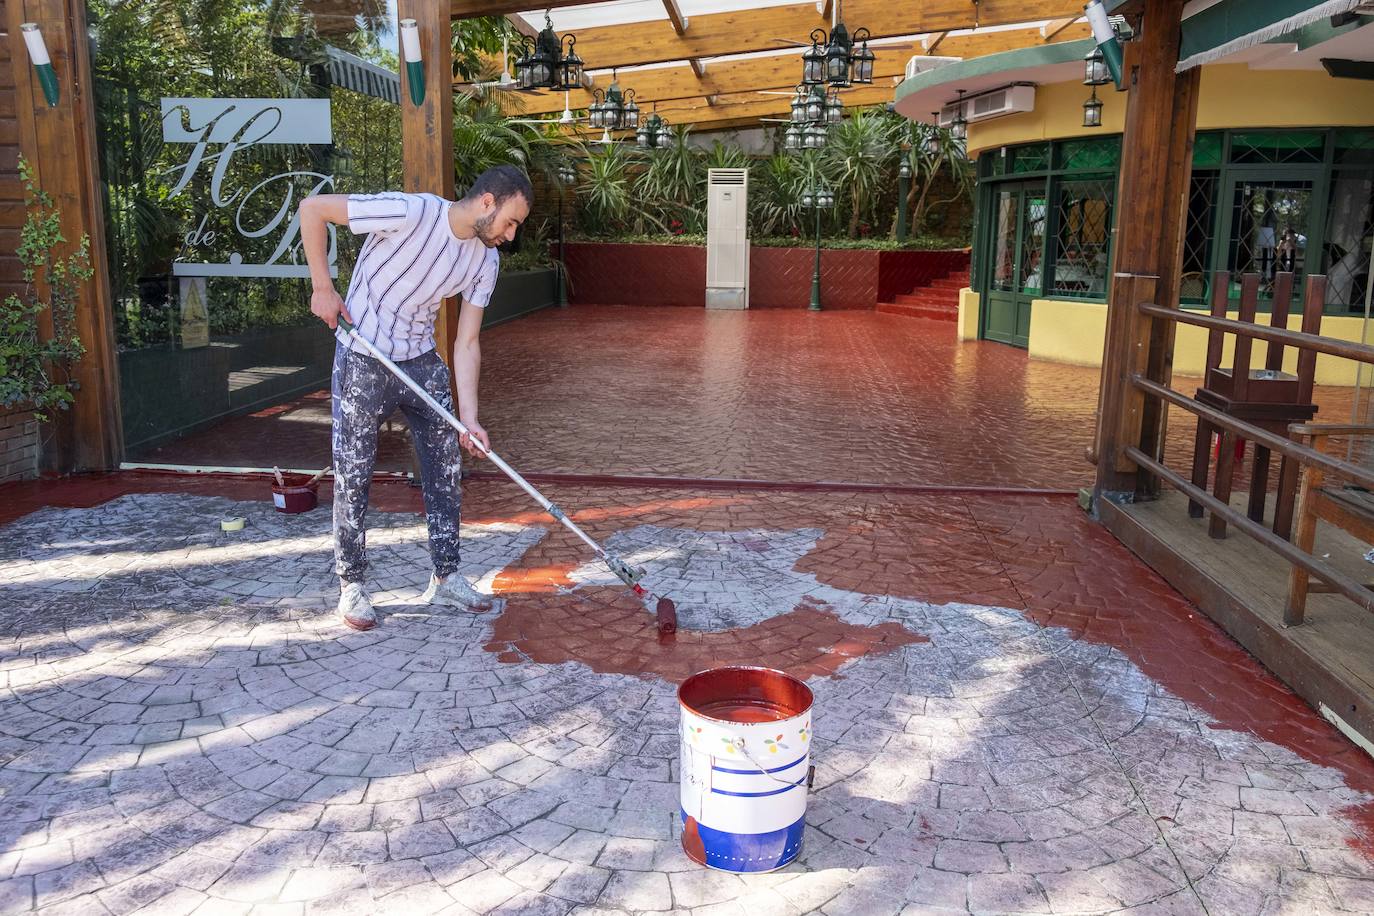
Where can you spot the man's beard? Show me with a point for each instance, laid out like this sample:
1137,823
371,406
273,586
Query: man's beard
482,226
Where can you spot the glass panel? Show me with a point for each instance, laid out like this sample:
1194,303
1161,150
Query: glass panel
1032,158
1033,211
1349,234
1269,232
1085,228
213,123
1207,150
1004,243
1195,282
1355,146
999,162
1099,155
1278,147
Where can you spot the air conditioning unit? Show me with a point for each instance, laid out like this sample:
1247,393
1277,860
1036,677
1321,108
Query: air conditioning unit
924,63
1004,101
727,239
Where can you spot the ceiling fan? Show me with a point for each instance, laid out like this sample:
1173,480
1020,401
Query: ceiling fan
566,118
505,82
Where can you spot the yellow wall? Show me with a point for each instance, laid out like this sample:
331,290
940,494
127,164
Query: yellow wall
1073,332
968,314
1232,95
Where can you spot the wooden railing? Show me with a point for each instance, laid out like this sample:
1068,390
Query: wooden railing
1125,467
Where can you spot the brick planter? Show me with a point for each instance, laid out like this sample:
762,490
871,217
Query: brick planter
611,273
18,444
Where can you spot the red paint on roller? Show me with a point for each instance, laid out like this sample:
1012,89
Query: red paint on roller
667,616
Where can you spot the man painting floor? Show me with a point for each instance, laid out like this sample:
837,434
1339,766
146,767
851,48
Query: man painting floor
420,250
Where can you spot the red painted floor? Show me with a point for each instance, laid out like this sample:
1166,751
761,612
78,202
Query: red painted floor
765,395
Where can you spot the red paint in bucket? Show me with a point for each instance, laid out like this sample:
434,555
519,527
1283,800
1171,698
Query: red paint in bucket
744,694
300,494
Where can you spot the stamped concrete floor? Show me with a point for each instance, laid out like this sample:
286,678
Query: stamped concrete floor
1013,715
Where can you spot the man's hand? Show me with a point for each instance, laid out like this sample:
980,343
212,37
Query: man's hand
327,306
475,431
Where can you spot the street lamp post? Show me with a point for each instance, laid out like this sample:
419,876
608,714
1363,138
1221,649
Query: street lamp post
818,199
566,176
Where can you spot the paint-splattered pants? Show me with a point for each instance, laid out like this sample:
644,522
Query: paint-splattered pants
365,394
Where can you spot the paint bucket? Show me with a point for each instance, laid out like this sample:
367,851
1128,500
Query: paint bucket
745,767
298,495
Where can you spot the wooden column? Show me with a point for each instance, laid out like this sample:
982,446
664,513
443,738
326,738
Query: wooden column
1151,212
427,130
59,145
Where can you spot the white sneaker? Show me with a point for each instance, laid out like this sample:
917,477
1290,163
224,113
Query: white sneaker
456,592
355,607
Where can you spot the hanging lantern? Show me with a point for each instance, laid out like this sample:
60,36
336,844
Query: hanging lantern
524,74
813,61
567,174
834,108
904,170
825,199
813,136
611,109
799,106
958,128
862,59
932,141
644,132
815,104
808,199
596,112
1092,111
665,134
1095,69
629,114
792,138
837,56
570,69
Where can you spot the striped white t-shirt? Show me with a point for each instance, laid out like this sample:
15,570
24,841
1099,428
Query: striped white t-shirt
410,262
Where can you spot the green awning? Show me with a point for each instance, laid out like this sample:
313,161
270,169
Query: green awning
1233,25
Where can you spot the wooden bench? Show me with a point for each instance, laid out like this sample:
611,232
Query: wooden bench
1352,510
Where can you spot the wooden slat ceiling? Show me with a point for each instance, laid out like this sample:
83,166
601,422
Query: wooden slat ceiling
719,91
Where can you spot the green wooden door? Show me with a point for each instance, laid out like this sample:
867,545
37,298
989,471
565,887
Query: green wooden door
1016,275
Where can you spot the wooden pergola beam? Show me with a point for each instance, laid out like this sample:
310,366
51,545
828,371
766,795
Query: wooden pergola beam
471,9
521,26
698,68
675,16
700,111
766,29
931,43
1050,30
733,76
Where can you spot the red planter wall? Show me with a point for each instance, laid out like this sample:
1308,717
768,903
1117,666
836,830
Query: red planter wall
609,273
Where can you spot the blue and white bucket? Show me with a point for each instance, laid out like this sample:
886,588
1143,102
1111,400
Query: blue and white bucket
746,767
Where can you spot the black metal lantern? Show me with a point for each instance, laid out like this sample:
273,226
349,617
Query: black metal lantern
815,104
958,128
1092,111
644,132
567,174
545,64
596,111
1095,69
813,61
799,105
813,135
932,141
834,108
792,137
570,68
629,112
904,170
862,59
837,56
612,107
665,134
